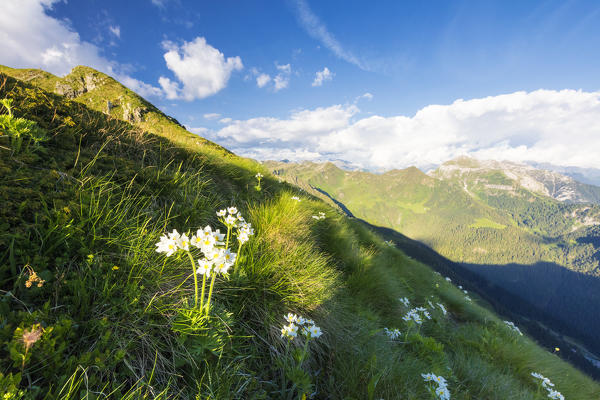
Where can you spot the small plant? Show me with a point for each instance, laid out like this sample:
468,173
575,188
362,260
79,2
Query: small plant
20,130
218,258
320,216
258,177
440,392
545,383
292,364
33,278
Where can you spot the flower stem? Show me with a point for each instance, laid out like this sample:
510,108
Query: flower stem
202,294
212,284
195,279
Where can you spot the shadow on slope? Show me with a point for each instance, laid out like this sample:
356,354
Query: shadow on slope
545,299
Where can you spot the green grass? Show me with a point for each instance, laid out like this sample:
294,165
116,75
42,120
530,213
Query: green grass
85,212
486,223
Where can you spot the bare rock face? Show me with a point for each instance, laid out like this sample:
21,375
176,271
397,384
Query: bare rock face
134,114
75,87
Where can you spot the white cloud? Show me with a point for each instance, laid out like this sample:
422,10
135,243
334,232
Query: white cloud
262,80
317,29
323,76
225,120
200,69
366,95
211,115
558,127
115,30
282,79
29,38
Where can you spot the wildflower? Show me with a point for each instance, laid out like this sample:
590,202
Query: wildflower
300,320
291,318
430,304
243,237
205,267
259,175
166,245
289,331
214,254
33,278
221,267
183,242
114,268
405,301
229,257
230,220
443,308
232,210
513,327
460,287
465,292
468,298
392,333
441,392
312,332
309,322
221,213
448,279
31,336
553,394
295,198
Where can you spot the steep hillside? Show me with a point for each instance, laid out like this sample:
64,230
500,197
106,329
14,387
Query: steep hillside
545,251
92,308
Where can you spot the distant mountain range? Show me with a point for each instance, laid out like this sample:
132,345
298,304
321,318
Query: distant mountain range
532,232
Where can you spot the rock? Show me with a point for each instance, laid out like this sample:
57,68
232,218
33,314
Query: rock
134,115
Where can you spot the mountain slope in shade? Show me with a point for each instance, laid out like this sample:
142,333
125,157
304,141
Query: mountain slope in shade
505,230
508,176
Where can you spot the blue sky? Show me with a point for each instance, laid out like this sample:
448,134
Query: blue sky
383,65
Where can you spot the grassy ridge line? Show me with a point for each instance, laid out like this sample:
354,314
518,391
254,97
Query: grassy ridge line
105,189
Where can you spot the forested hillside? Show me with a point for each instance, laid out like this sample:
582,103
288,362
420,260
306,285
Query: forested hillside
543,250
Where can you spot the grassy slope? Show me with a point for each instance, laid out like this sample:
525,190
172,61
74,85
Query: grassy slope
100,195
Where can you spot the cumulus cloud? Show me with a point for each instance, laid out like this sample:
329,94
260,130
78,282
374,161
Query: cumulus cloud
558,127
318,30
282,79
367,96
262,80
30,38
211,115
200,69
322,76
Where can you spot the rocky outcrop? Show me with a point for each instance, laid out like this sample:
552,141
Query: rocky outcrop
75,86
134,114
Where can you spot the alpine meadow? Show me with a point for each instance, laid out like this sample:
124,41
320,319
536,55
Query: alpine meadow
299,200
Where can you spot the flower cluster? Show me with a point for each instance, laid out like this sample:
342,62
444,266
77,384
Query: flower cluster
392,333
320,216
259,176
441,392
417,314
295,322
213,244
33,278
549,386
512,326
405,301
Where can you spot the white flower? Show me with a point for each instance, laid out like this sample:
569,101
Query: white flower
232,210
430,304
295,198
468,298
392,333
221,266
291,317
221,213
512,326
309,322
300,320
553,394
289,331
465,292
442,308
214,254
312,332
448,279
243,237
205,267
259,175
230,220
183,242
460,287
229,257
166,245
405,301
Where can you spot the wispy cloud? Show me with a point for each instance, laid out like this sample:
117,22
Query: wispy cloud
318,30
